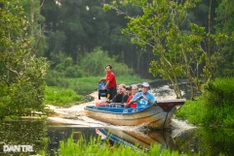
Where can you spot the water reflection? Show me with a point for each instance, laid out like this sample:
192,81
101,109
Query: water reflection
57,133
27,132
206,141
138,140
45,138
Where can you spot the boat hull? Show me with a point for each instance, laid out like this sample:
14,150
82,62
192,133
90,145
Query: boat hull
153,117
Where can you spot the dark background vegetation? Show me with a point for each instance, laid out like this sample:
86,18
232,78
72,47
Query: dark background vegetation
76,28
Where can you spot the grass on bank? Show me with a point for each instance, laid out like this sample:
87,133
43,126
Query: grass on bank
95,147
61,96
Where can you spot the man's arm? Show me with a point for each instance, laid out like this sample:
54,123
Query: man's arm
133,101
102,79
105,87
150,99
150,102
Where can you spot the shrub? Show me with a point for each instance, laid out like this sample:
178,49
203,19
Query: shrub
193,111
215,108
219,92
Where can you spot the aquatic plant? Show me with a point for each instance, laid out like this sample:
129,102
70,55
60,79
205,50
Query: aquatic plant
97,147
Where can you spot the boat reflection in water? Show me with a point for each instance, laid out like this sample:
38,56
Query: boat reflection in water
137,140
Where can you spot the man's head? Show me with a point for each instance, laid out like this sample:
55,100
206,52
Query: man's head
122,88
129,88
108,68
135,89
145,87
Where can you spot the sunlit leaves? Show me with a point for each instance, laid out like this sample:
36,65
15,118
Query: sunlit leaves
181,52
20,69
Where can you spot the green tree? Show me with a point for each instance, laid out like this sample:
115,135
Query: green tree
74,28
93,64
35,19
22,74
225,20
181,52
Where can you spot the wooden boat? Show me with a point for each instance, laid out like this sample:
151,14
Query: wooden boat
137,139
156,116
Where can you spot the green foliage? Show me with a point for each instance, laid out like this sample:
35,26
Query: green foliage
94,63
157,27
219,97
26,91
22,73
220,92
94,147
66,72
55,78
225,11
185,46
34,28
68,68
61,97
78,27
215,108
192,111
64,68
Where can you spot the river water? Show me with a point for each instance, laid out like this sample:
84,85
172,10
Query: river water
45,135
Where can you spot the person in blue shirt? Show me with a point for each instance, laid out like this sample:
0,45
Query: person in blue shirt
143,99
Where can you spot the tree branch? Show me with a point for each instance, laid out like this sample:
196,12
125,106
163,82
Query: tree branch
12,70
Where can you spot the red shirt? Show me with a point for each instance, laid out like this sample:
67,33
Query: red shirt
133,105
129,98
111,77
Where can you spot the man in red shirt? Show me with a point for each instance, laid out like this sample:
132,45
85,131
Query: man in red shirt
110,82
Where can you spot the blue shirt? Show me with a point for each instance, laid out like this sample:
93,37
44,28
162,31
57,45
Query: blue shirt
142,103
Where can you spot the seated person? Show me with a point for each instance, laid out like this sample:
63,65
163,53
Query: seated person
121,97
129,90
134,90
143,99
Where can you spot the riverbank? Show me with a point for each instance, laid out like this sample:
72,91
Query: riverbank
73,111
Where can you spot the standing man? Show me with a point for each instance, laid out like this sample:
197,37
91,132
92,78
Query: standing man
110,82
143,99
